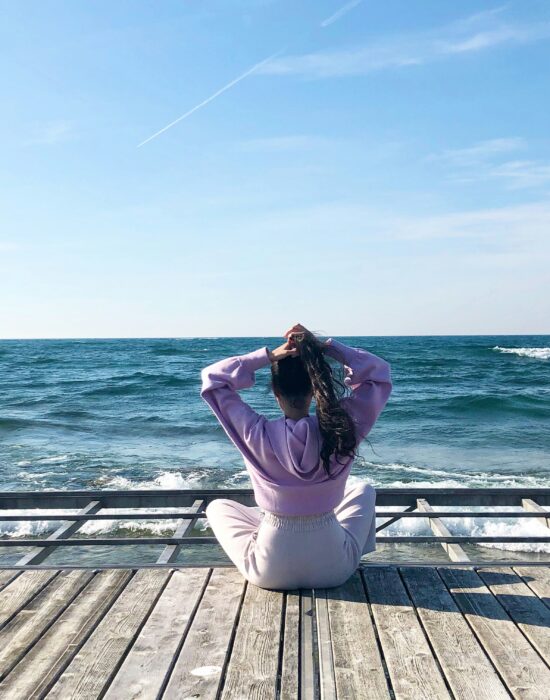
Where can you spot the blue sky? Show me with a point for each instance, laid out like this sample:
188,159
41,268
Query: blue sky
386,172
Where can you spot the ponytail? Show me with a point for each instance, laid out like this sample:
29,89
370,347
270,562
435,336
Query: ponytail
336,426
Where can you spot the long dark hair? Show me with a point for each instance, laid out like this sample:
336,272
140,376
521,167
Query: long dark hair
296,377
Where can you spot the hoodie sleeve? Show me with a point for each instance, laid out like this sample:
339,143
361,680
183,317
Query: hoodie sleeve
220,384
369,379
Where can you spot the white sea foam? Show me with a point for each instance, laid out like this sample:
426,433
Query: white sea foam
440,478
53,460
165,480
513,527
534,353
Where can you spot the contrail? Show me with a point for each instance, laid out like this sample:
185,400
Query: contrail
212,97
340,13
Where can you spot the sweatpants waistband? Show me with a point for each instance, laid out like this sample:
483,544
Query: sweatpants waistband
299,523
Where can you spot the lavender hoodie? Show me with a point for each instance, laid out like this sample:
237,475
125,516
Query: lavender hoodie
282,456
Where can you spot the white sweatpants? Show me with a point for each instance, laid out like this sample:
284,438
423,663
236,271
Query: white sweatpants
289,552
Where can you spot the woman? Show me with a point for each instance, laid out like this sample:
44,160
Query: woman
309,530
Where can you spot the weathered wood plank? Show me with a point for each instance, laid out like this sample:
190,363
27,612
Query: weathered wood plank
199,667
309,680
538,580
91,670
531,505
144,671
358,666
171,551
524,607
41,666
17,593
521,668
291,648
38,554
454,551
327,679
6,577
413,670
253,665
469,672
31,621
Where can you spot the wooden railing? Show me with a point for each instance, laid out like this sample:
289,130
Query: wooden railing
400,503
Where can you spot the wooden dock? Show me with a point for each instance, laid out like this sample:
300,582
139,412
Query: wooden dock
172,621
406,632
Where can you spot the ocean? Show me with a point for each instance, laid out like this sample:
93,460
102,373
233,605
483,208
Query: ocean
123,414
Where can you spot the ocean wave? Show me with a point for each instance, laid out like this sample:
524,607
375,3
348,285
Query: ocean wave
33,401
44,360
10,423
17,423
517,404
55,459
168,351
70,413
476,527
533,353
7,423
384,475
138,382
164,480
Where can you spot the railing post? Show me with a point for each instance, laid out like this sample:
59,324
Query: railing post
171,551
533,506
454,551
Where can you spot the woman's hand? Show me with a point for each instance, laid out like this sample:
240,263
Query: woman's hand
287,349
297,328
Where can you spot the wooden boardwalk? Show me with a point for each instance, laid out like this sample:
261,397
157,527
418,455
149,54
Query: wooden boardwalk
389,632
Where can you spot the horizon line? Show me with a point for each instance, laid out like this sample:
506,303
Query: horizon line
235,337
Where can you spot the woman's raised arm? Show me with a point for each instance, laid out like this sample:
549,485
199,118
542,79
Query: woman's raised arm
221,382
369,378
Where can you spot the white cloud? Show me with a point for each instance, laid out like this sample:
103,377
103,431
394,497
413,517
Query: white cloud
8,247
521,174
294,142
472,155
486,161
475,33
51,133
520,226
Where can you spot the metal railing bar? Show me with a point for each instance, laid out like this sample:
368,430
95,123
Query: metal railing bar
171,551
454,551
394,517
478,563
186,497
118,541
466,538
39,553
134,515
177,515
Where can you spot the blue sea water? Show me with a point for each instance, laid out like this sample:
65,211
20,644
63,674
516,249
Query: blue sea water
88,414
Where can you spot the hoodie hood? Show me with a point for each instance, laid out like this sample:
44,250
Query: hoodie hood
297,445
